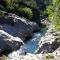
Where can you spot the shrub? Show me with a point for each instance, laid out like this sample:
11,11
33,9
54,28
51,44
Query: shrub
32,3
57,40
54,14
9,4
49,56
26,12
14,6
1,13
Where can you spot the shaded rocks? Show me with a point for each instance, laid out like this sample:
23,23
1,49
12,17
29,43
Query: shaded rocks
14,30
56,43
50,41
8,42
47,43
19,26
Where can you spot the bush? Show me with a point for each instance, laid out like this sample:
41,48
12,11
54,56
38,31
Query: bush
54,14
26,12
49,56
17,7
1,13
10,5
32,3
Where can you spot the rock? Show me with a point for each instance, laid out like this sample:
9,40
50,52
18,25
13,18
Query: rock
45,22
2,46
34,26
8,42
14,30
47,43
20,27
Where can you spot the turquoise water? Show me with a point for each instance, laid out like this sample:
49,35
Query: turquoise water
32,45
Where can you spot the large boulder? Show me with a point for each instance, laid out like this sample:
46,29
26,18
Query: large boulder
8,42
18,26
14,30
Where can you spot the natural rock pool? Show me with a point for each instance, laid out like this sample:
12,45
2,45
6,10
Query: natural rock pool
30,46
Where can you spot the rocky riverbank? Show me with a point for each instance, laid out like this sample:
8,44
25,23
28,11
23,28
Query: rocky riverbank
47,49
25,31
14,30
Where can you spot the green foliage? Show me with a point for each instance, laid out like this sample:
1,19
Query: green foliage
12,4
26,12
16,6
32,3
54,14
1,13
58,39
9,4
49,56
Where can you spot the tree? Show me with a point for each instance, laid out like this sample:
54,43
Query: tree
54,14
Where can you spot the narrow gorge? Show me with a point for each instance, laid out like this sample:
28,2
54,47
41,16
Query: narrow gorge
29,30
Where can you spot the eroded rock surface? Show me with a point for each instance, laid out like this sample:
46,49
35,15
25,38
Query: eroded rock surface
14,30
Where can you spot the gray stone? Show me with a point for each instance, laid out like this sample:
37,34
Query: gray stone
8,42
14,30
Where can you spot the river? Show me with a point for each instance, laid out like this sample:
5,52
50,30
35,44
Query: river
30,46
